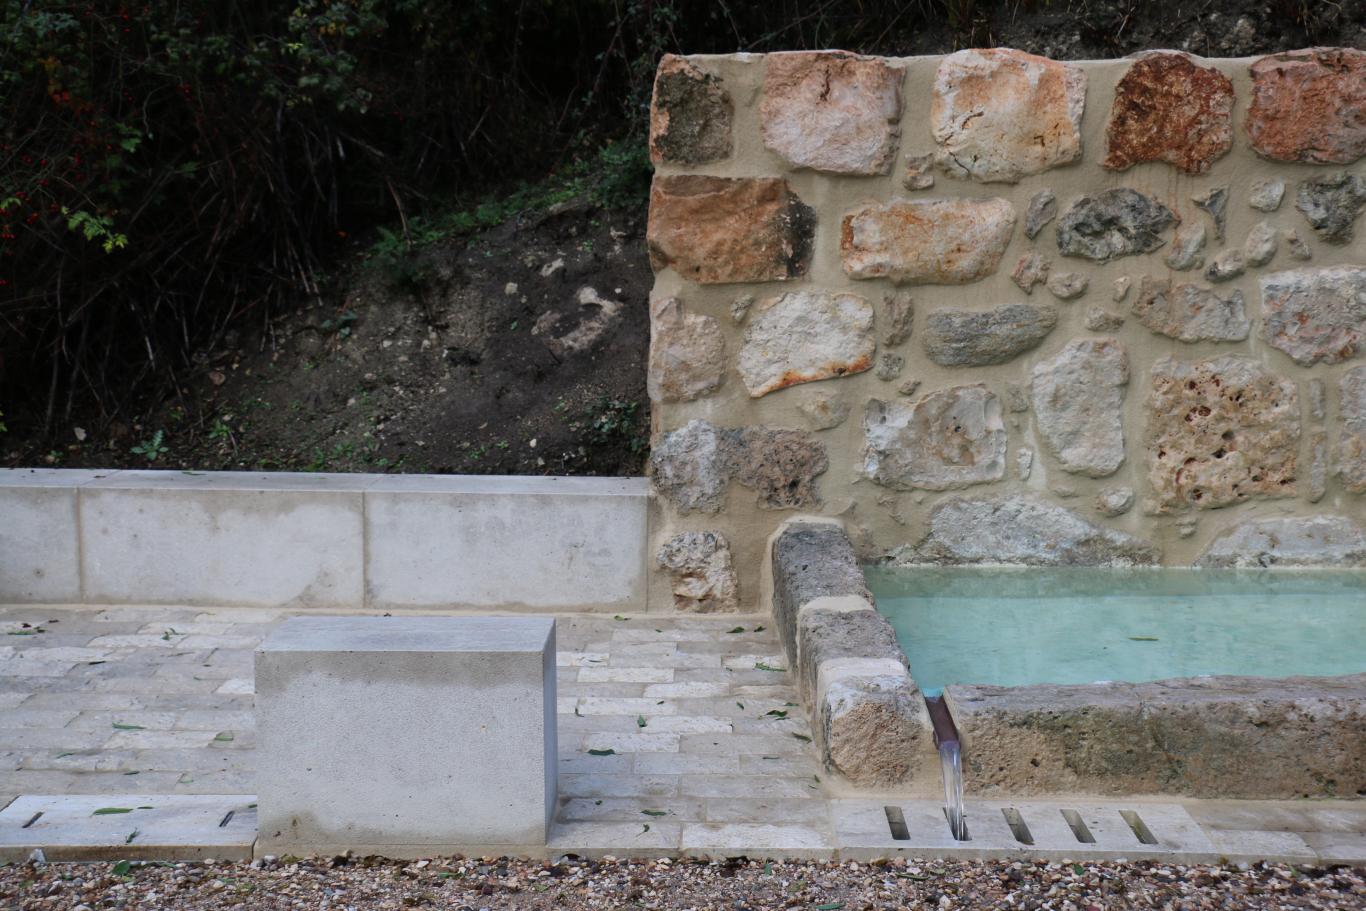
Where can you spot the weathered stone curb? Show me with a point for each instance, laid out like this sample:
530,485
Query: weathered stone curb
868,715
1206,736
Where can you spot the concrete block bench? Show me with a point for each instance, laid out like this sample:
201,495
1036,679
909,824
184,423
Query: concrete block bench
406,736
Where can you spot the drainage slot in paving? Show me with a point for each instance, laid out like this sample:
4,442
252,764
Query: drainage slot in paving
896,821
1017,826
226,819
959,833
32,819
1139,827
1078,827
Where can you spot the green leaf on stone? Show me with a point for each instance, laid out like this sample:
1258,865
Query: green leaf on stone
597,803
802,737
1144,638
741,705
776,713
121,868
602,752
758,629
760,666
111,811
120,726
640,721
655,812
646,829
738,629
577,713
833,906
224,737
131,835
130,773
146,808
768,869
64,755
620,617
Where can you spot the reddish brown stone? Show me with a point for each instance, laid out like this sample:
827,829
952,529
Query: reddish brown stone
690,115
714,230
1168,108
831,111
1309,105
931,241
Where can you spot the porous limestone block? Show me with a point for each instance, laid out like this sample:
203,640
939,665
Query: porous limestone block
406,736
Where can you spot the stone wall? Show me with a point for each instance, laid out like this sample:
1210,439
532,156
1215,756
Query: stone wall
994,308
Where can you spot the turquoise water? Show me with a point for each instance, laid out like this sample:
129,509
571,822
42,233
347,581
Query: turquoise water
1010,627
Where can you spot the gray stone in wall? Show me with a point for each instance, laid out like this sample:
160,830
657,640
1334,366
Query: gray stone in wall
1315,315
898,318
1043,208
1296,245
977,338
823,408
1351,451
1318,466
1022,530
1118,222
701,570
692,468
1250,737
1187,244
1266,194
1331,205
804,336
1078,399
1067,285
812,560
948,439
687,353
1226,266
1189,312
1333,541
1114,501
1260,246
693,465
1215,203
1098,319
690,115
889,367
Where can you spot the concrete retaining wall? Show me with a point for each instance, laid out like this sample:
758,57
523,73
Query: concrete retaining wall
326,541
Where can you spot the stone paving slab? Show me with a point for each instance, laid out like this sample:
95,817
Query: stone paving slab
155,827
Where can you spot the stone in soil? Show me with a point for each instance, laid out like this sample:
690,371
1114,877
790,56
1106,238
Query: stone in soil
931,241
1331,205
1189,312
701,572
1169,108
1351,450
687,353
804,336
1309,105
1332,541
948,439
1078,399
1000,115
715,230
690,115
1022,530
1118,222
977,338
1317,316
831,112
1220,431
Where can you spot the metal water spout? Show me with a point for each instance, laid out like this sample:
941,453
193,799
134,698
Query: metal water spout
950,764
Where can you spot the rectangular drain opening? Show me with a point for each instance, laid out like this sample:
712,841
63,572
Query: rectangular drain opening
1078,826
226,819
896,821
1017,826
36,816
967,836
1139,827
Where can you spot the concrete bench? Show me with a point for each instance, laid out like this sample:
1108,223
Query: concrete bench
406,736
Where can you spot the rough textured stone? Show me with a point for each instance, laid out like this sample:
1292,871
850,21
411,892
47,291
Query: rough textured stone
1315,315
1121,288
1266,194
1078,399
1331,205
1220,431
871,728
1260,246
1043,208
1022,530
1214,202
1114,501
831,111
693,465
703,576
1098,319
1228,265
1118,222
1067,285
918,174
1351,449
687,353
1318,466
932,241
1190,312
690,115
971,338
1030,270
825,634
1169,108
1296,245
1334,541
1187,244
811,560
804,336
999,115
889,367
714,230
898,318
1318,398
739,308
1309,105
1249,737
1024,463
948,439
823,408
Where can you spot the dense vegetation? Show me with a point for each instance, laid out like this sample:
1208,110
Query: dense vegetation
172,169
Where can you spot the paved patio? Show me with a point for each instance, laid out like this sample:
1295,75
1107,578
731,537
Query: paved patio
676,734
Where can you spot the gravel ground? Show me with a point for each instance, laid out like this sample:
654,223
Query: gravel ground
474,885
